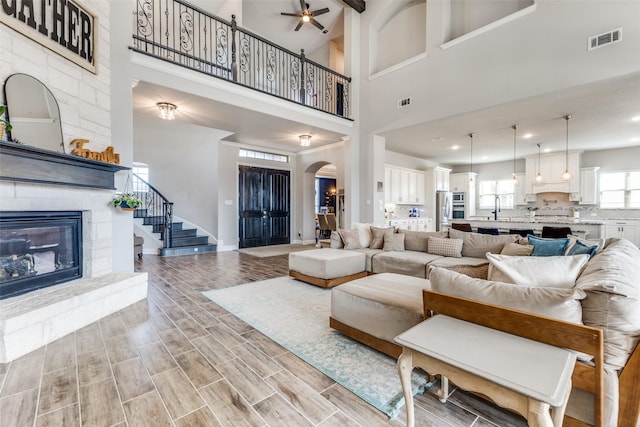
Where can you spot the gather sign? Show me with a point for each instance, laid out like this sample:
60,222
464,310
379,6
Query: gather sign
64,26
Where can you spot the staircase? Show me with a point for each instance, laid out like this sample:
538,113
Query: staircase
156,211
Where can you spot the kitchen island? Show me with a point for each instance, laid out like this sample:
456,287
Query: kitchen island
579,227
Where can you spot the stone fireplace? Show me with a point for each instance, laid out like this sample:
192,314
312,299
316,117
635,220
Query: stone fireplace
38,249
33,319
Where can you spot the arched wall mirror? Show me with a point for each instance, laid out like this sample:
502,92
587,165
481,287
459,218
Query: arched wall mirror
33,112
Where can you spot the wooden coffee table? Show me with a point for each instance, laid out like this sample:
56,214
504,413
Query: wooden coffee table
526,376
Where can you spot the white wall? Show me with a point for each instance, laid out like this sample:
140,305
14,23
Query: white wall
183,166
400,35
612,160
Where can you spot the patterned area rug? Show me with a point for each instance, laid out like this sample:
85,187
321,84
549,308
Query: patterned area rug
296,316
275,250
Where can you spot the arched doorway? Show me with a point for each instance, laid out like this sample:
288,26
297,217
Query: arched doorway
324,198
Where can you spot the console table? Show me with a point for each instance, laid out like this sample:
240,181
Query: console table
526,376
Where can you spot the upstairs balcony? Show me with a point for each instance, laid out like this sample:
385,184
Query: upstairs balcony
183,34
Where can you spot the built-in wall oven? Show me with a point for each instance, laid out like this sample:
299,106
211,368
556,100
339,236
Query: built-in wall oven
458,206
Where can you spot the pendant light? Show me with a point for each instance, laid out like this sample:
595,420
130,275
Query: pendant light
471,135
566,176
539,178
514,177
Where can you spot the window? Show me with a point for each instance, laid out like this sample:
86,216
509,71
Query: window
488,190
142,171
620,190
263,156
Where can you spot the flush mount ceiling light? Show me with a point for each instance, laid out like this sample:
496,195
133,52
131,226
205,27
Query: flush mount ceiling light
471,135
166,110
305,140
514,177
566,176
539,178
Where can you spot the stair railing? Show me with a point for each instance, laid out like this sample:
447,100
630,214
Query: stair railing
156,205
179,32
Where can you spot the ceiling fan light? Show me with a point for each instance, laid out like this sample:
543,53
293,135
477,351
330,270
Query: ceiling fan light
306,18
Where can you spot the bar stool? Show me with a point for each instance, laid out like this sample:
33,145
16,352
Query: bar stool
461,226
521,232
555,232
492,231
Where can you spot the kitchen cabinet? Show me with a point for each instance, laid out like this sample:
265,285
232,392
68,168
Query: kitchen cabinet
589,190
521,190
624,230
442,178
462,182
465,183
404,186
551,167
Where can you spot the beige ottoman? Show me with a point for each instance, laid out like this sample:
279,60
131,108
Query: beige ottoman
377,308
326,267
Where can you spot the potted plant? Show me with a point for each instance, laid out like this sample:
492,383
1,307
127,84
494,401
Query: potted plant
5,126
126,201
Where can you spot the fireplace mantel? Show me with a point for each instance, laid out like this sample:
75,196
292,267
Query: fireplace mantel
30,164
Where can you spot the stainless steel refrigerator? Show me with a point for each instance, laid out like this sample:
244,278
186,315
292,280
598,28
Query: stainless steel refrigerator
444,203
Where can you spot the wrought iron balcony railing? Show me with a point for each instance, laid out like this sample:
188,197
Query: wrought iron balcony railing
175,31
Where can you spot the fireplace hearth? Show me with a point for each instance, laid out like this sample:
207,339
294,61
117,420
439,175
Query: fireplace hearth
39,249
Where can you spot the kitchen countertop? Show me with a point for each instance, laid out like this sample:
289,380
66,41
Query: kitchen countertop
539,220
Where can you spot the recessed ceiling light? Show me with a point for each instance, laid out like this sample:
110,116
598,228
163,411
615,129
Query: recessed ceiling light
635,119
527,135
437,139
484,157
546,150
634,140
455,147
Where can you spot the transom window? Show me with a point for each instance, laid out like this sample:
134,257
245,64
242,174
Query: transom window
489,190
619,190
251,154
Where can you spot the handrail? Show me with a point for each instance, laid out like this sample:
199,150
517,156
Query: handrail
156,206
184,34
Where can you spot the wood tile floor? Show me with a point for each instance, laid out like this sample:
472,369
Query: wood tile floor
178,359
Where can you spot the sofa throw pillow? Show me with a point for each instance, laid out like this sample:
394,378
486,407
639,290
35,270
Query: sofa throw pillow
587,242
336,241
418,240
546,272
476,245
393,242
445,247
547,247
563,304
580,248
378,236
364,233
350,238
516,249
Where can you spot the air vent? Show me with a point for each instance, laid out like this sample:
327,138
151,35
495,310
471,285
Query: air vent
404,102
605,39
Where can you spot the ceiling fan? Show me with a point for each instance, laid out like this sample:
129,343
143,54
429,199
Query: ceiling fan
306,15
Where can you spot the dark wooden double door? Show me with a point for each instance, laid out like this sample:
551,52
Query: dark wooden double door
263,206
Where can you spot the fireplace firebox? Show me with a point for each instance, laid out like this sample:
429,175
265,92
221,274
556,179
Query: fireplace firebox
39,249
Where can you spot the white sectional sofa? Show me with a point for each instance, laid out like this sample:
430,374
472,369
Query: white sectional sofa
606,293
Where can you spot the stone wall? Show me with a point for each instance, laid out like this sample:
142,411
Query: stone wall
84,98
